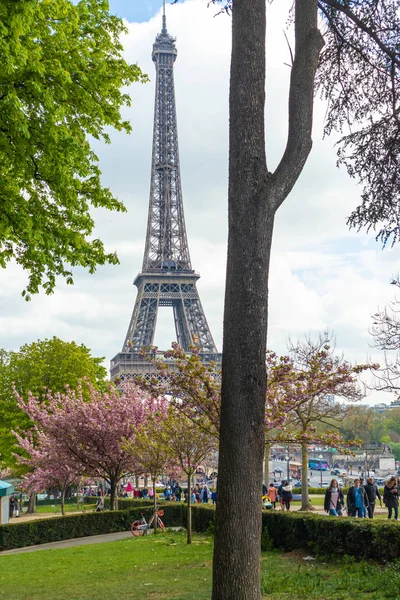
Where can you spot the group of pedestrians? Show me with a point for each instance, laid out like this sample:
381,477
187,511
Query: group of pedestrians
361,498
201,495
283,494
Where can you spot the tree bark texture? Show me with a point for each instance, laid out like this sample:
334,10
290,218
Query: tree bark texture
305,500
254,196
189,511
266,462
113,494
63,502
32,503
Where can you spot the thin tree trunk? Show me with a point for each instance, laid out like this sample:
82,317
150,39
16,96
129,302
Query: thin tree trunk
32,503
113,495
137,482
305,500
155,505
189,510
63,502
266,465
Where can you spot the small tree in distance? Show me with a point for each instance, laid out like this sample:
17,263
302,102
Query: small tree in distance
190,445
322,373
150,449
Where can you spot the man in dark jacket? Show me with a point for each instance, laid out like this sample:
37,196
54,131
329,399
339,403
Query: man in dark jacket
357,499
372,492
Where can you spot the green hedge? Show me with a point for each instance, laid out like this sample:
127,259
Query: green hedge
43,531
361,538
126,503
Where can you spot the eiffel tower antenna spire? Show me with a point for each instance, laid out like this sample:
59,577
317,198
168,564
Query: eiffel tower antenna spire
164,20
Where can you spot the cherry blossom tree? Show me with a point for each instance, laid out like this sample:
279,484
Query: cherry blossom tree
88,426
321,373
49,465
194,387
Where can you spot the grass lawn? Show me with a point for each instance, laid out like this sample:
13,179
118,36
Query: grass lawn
164,568
69,508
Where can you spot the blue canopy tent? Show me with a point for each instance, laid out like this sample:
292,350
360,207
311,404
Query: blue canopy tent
6,489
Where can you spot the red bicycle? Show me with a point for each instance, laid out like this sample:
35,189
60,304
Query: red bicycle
141,527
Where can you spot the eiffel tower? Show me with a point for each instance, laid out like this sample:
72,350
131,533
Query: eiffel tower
167,277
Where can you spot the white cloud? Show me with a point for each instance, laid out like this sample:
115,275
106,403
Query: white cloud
322,275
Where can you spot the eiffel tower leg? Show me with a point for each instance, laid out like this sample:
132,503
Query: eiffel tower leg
144,317
200,333
183,333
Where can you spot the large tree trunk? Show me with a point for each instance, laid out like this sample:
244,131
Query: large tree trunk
32,503
266,462
189,510
253,198
305,500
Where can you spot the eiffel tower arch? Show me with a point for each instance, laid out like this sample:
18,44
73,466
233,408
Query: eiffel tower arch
167,277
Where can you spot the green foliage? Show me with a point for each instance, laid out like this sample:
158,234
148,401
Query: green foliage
128,503
267,543
50,364
361,538
60,85
29,533
395,448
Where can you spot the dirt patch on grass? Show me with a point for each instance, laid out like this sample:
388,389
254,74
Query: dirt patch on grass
298,555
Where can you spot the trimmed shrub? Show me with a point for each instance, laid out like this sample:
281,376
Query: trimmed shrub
43,531
127,503
362,538
202,516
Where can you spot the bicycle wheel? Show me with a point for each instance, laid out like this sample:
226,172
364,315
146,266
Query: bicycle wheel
161,524
135,531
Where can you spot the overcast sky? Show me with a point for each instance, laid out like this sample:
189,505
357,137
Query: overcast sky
323,276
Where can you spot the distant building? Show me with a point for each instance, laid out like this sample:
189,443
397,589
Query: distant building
381,407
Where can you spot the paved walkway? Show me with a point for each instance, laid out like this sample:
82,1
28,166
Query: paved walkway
84,541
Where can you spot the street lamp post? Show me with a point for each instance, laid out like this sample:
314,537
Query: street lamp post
288,470
320,466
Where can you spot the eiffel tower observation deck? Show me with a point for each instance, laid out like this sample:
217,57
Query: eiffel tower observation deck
167,277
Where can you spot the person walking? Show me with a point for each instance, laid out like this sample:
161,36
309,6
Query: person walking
11,507
205,495
178,492
357,500
334,499
287,495
272,494
373,493
391,497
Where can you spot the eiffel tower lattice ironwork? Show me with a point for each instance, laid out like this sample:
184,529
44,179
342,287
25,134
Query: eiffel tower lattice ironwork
167,277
